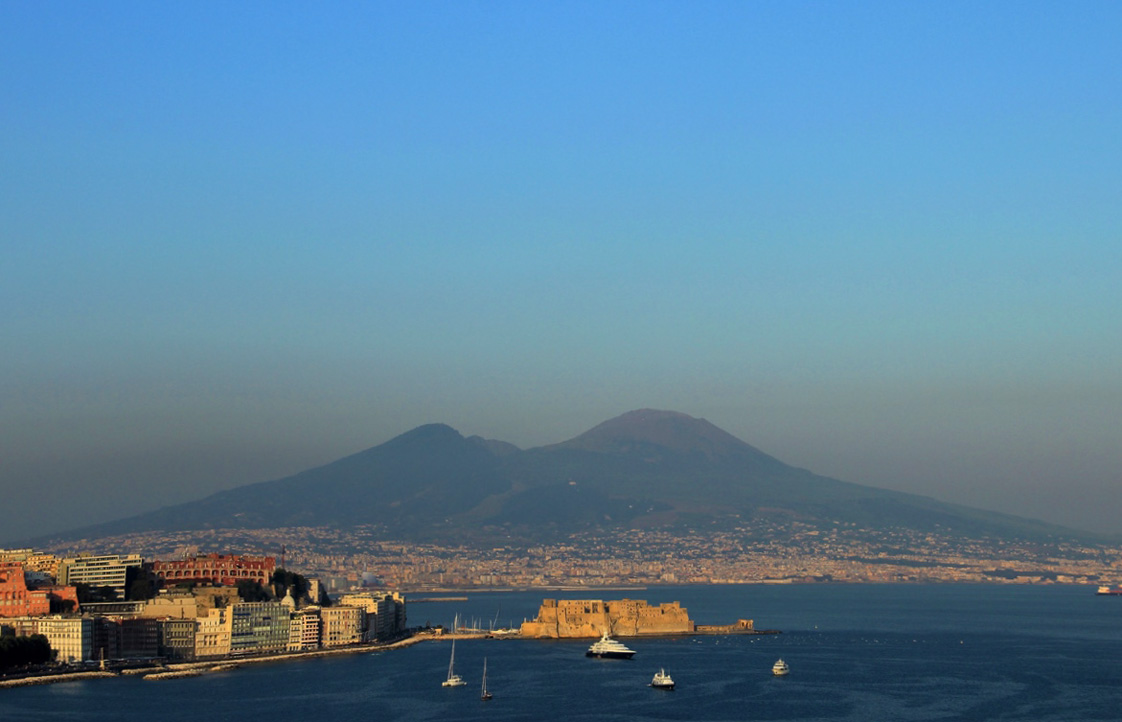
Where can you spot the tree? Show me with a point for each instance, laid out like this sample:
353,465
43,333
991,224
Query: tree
88,594
250,590
138,585
19,651
284,580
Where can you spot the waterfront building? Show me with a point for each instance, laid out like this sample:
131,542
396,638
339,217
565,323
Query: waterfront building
258,627
177,638
212,635
304,630
71,638
126,638
220,569
107,570
342,625
385,612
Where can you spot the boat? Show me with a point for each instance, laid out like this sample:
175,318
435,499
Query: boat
485,695
608,648
454,680
662,680
1110,591
780,668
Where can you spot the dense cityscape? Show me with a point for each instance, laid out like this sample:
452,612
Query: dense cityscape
266,592
772,553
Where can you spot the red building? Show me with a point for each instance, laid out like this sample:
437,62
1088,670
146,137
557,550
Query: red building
220,569
17,600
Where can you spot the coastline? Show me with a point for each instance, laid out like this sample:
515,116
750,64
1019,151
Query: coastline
178,670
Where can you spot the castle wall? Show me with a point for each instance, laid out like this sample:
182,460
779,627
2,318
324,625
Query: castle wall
577,618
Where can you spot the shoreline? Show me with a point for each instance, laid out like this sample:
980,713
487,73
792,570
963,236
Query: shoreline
178,670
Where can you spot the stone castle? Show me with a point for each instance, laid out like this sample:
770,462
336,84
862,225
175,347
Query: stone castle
592,617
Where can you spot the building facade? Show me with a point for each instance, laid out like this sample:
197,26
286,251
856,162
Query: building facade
18,599
258,627
212,635
305,630
385,612
218,569
71,638
342,625
108,570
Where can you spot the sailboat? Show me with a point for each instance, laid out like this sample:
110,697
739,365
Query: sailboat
454,680
485,695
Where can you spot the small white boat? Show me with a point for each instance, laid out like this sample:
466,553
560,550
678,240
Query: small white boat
454,680
780,668
662,680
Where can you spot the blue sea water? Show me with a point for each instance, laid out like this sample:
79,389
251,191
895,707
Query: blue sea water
857,652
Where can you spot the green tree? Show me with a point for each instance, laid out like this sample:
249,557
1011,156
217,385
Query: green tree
283,580
88,594
139,585
251,590
19,651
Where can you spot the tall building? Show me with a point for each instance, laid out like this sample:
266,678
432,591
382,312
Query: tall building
108,570
177,638
385,612
342,625
304,630
212,636
258,627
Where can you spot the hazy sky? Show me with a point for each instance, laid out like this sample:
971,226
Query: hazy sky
882,241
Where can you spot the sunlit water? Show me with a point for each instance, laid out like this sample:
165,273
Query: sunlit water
857,652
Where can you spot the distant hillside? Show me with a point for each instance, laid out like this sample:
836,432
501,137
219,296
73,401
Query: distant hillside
645,468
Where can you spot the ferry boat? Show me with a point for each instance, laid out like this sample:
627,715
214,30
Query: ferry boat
780,668
608,648
1110,591
662,680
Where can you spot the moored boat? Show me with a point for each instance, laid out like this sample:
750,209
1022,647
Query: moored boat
1108,591
608,648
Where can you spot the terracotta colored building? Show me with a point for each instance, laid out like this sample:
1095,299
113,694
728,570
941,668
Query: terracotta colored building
17,600
222,569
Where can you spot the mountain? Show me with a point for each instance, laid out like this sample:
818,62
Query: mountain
646,468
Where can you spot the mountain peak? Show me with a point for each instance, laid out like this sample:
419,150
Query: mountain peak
670,430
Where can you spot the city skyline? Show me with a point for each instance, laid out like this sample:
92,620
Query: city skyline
875,241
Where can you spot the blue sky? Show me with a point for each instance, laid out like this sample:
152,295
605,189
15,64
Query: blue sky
877,240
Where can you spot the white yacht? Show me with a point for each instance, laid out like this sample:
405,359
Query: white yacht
606,647
454,680
780,668
662,680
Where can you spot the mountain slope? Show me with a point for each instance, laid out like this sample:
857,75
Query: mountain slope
645,468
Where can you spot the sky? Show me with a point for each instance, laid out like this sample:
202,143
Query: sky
878,240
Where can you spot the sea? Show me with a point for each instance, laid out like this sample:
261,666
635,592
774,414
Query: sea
856,652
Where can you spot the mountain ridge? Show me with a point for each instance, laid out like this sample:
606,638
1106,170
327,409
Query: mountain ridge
641,469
